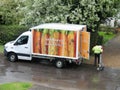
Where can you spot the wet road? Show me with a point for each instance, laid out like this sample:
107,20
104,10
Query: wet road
47,77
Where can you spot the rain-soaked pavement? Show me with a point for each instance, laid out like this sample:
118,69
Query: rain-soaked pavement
46,77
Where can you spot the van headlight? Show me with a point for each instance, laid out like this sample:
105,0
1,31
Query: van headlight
5,47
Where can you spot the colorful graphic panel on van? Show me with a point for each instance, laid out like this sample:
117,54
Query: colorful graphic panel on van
54,42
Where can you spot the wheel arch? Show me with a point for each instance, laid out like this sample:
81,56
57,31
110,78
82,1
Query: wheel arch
10,53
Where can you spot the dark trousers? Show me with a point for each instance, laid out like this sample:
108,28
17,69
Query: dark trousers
97,59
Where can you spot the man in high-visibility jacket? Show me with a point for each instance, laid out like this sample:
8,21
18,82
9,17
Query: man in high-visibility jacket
97,51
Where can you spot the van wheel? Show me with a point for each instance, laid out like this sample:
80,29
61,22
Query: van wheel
12,57
59,64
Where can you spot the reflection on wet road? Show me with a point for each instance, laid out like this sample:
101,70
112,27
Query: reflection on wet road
84,77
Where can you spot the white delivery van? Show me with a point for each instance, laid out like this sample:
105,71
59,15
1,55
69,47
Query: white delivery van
57,42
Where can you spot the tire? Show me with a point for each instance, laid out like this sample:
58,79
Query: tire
59,64
12,57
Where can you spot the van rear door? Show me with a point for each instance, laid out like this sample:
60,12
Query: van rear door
85,44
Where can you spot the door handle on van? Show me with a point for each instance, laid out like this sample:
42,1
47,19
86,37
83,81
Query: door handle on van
26,47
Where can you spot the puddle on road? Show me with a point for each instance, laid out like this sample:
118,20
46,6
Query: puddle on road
83,78
117,88
2,65
17,71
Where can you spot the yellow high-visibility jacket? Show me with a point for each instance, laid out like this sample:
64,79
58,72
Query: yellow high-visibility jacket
97,49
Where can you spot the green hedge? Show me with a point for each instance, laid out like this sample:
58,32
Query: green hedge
107,29
11,32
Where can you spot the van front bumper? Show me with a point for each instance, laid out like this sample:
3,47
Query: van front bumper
5,52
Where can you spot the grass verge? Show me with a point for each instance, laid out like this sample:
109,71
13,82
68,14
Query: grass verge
1,48
106,36
16,86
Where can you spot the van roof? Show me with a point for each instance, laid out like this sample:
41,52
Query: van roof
60,26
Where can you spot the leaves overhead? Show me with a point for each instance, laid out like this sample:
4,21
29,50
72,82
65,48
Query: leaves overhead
34,12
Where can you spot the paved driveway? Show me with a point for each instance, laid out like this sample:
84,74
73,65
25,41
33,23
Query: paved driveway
45,76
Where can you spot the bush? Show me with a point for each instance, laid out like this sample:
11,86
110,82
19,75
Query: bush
106,36
106,29
11,32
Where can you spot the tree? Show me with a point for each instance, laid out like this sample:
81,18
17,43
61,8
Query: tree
88,12
43,11
9,12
